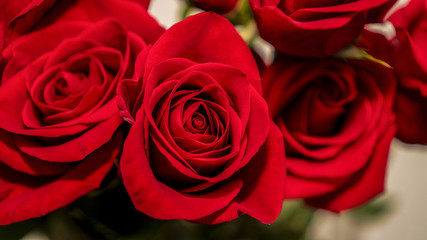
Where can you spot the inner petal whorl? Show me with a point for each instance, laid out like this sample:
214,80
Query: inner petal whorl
322,105
197,123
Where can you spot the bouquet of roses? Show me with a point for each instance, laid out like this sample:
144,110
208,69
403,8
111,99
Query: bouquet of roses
190,120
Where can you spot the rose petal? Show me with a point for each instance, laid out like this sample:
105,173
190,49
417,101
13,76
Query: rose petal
217,41
366,185
159,200
25,192
15,159
73,150
263,185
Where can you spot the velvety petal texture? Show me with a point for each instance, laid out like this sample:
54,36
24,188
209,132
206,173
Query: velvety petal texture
218,6
315,28
411,96
407,55
12,11
411,99
21,16
337,122
201,146
413,18
59,130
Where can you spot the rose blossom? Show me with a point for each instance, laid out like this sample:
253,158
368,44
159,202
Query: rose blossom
59,119
201,146
411,96
408,58
337,121
413,18
315,28
18,17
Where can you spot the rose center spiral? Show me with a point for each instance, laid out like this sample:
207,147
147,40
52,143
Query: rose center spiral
198,122
69,83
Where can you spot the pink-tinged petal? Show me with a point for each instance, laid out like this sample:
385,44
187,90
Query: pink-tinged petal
263,188
21,193
217,41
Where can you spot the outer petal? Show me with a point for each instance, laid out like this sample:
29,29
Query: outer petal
144,3
313,39
129,91
11,11
368,183
19,17
411,96
12,157
73,150
130,13
218,6
23,197
263,184
411,99
316,32
413,18
410,62
21,52
206,37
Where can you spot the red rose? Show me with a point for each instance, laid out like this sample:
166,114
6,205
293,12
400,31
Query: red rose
337,121
201,146
20,16
315,28
411,97
413,18
59,118
406,53
218,6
